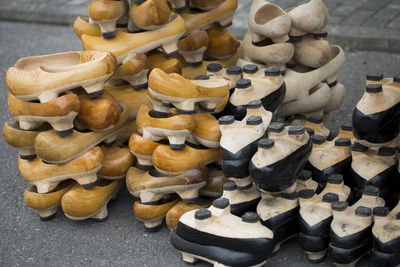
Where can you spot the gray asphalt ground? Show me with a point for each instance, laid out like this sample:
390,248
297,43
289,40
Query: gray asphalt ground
121,240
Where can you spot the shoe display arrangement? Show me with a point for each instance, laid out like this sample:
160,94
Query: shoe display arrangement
225,139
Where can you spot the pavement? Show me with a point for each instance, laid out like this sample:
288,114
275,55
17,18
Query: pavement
355,24
121,240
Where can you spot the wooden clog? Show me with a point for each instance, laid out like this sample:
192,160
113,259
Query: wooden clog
168,65
48,144
386,236
280,214
106,13
134,69
315,217
173,215
193,46
305,181
241,199
156,127
152,214
151,186
376,167
268,53
82,26
350,230
311,52
22,140
43,78
270,89
328,157
222,45
174,162
59,113
143,150
214,183
280,160
236,155
311,17
206,130
46,204
100,113
116,162
335,184
149,14
46,177
316,123
167,87
124,44
376,114
268,20
206,5
82,204
132,99
222,15
216,236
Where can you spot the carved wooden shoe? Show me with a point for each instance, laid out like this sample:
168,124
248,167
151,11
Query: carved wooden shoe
311,17
316,123
82,26
168,65
174,162
315,217
328,157
376,114
46,177
117,161
214,183
376,167
386,236
206,5
43,78
272,55
279,213
173,215
152,214
268,20
149,14
106,13
151,186
206,130
46,204
48,144
193,46
167,87
311,52
132,99
203,234
241,199
237,155
82,204
134,69
335,184
143,150
222,15
100,113
305,181
279,161
222,45
59,113
231,74
124,44
22,140
269,89
350,230
156,126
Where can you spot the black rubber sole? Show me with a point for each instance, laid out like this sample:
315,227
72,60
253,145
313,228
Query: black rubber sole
154,229
89,186
208,110
100,220
48,218
177,146
382,259
27,157
195,64
141,86
188,112
190,200
295,38
179,9
145,167
347,256
171,55
108,35
320,35
110,144
226,25
95,94
65,132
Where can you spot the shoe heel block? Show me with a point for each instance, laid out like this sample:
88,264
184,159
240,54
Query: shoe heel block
382,259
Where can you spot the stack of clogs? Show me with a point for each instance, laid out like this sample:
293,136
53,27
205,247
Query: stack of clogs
64,130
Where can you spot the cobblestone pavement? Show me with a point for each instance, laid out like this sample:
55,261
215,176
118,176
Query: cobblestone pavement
355,24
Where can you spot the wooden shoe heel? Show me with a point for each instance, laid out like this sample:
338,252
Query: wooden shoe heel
177,5
134,70
193,46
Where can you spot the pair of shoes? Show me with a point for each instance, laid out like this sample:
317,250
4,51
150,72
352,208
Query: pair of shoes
280,159
216,236
267,20
350,230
